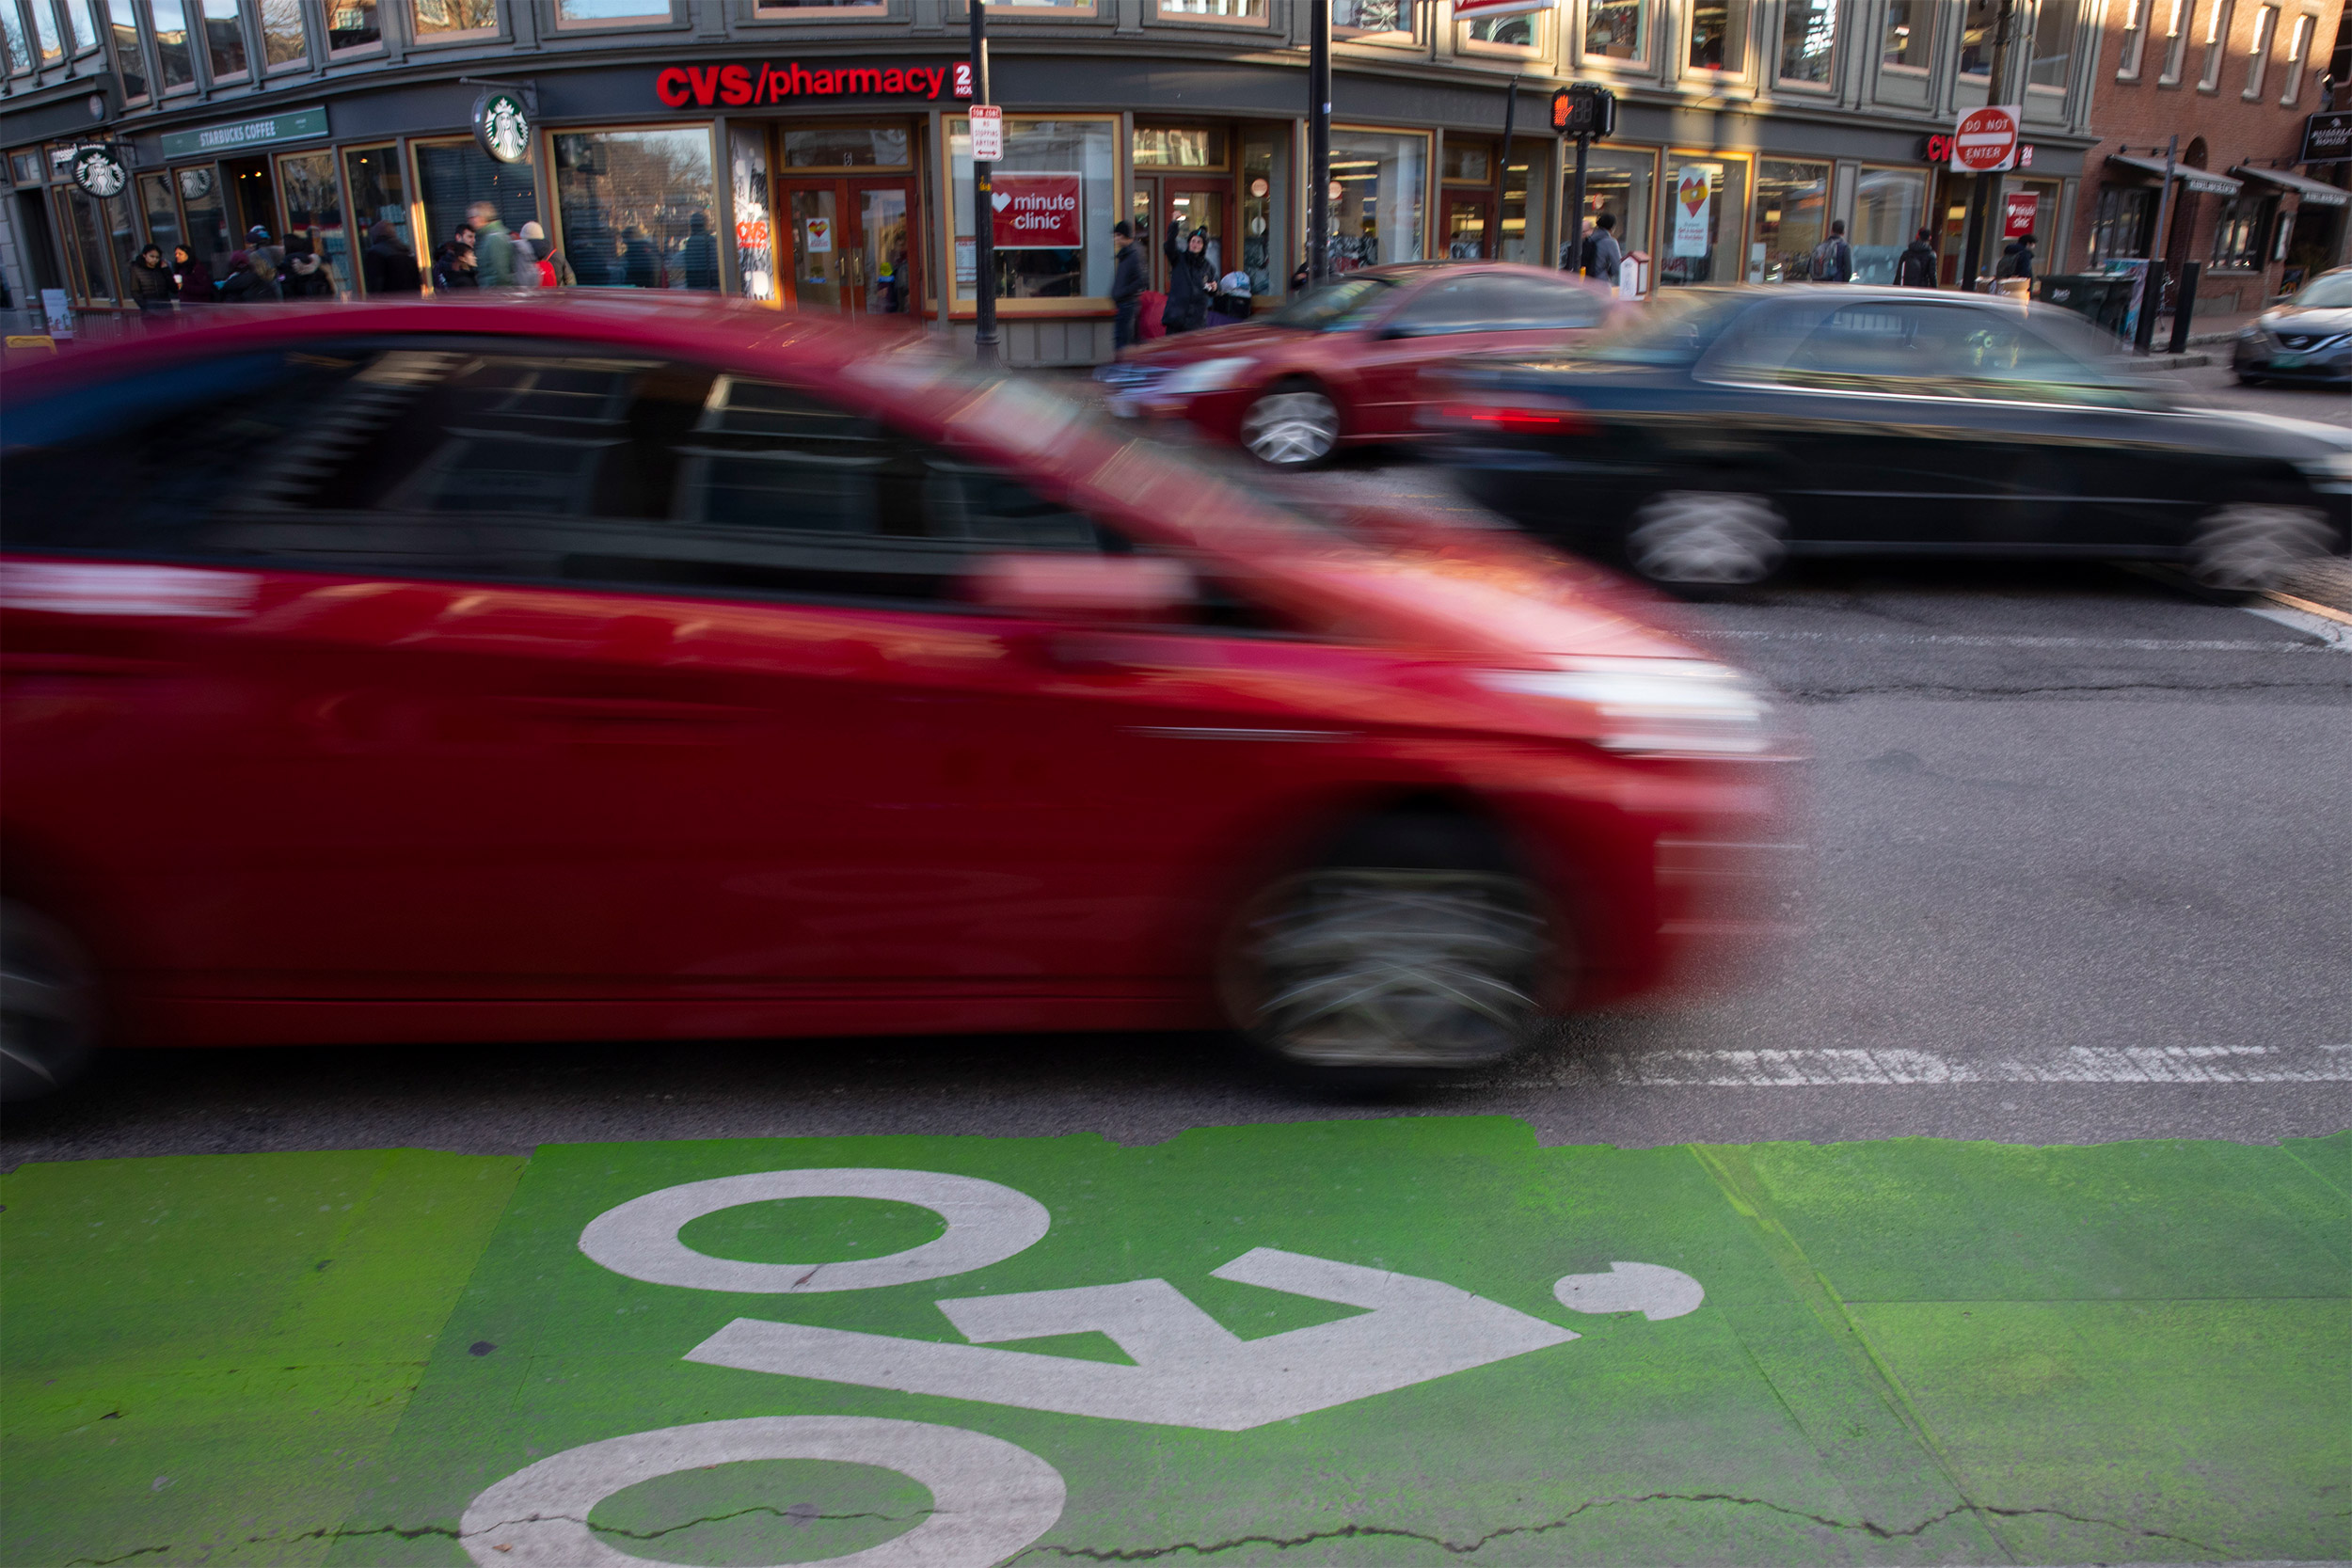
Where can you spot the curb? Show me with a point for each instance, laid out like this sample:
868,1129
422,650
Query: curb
2310,606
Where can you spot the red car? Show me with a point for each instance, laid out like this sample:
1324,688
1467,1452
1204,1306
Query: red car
619,669
1342,364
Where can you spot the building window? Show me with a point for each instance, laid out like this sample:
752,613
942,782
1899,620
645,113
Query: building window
352,25
2053,43
1614,29
2216,44
79,21
1719,34
2299,52
224,41
2135,39
2237,238
1706,225
283,41
611,13
436,20
1217,10
12,39
313,198
1376,210
639,208
1808,36
1905,45
1363,21
1622,185
847,147
130,59
1791,217
1264,212
452,176
1516,33
1977,26
45,31
795,7
2121,223
1889,207
2258,61
2175,42
1179,146
174,51
1047,162
372,175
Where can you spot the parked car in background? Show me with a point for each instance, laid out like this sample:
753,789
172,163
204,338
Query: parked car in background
1706,441
1345,363
2309,337
577,667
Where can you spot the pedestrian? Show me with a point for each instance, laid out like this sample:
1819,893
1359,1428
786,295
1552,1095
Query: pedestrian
1129,278
453,263
493,247
257,241
195,278
555,272
1190,281
386,266
641,267
1915,268
2017,260
527,273
1300,278
307,275
698,257
1603,255
251,280
1833,258
1232,303
151,288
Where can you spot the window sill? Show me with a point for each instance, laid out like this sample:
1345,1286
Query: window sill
471,35
617,25
1474,49
1819,89
1896,68
1377,40
818,15
1612,62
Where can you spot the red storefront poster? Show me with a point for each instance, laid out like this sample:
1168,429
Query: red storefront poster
1038,212
2018,210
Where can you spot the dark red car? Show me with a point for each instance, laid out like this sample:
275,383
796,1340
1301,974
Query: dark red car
1343,363
614,669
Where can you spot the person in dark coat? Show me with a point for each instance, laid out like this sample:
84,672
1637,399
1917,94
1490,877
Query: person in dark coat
2017,260
196,279
252,280
386,266
1128,280
1916,267
1190,281
641,267
152,287
307,275
452,264
699,256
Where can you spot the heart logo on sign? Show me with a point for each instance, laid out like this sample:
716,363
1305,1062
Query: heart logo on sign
1693,192
1000,200
817,229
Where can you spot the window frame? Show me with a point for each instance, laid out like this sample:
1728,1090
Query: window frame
2175,43
1409,36
662,13
1835,58
2219,22
2065,13
1688,34
2137,14
1644,31
1030,10
2257,56
1911,21
1543,48
352,51
953,303
2257,232
1959,68
1160,16
549,189
420,39
218,78
309,45
2299,56
769,12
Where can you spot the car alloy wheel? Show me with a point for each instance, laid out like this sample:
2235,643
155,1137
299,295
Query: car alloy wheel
1703,538
1291,428
47,1006
2250,547
1364,970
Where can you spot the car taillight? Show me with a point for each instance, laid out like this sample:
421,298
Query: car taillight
1513,419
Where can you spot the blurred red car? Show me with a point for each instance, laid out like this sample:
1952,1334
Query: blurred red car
1343,363
610,669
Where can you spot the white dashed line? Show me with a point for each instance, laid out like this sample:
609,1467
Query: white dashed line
2110,644
1830,1069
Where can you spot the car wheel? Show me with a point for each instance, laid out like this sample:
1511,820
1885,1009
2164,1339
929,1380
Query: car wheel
1291,427
2250,547
1397,972
2244,380
47,1006
1706,539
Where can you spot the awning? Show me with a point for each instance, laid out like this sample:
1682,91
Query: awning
2311,191
2198,179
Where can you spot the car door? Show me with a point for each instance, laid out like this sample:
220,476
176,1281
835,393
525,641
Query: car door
1456,315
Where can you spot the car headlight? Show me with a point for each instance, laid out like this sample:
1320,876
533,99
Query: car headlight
2331,473
1657,706
1204,375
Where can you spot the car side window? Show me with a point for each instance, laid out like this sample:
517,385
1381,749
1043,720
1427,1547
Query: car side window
1905,349
1524,304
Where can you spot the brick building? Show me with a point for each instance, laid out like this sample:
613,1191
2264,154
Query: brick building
2235,81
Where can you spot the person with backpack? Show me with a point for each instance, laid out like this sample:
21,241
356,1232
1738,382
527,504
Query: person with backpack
1833,258
2017,260
1602,254
1915,268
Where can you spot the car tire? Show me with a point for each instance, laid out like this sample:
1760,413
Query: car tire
1292,426
2244,380
1417,954
48,1006
2249,548
1701,540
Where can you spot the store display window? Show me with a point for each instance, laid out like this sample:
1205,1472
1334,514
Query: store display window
1791,217
1265,240
313,198
639,208
452,176
1890,207
1378,179
1059,178
1703,230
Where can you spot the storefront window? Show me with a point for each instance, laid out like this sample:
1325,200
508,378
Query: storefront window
639,207
223,39
452,176
1908,27
352,24
754,240
846,147
1376,210
575,13
99,235
130,61
1179,146
1808,38
434,20
378,195
174,55
2237,237
2053,43
314,209
283,41
1264,226
1791,217
1890,206
162,215
2121,223
1719,34
1622,185
1052,168
1614,29
1705,222
207,219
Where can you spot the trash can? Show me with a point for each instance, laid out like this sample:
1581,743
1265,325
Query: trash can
2102,299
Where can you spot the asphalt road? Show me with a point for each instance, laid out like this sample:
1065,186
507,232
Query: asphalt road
2082,845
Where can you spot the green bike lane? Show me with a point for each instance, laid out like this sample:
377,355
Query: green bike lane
1414,1340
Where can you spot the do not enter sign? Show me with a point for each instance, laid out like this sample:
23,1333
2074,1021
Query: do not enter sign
1985,140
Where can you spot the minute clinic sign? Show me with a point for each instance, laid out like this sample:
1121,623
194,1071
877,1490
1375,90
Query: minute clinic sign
1985,140
1037,212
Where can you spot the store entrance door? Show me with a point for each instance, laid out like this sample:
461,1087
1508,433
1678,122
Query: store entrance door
1468,222
254,198
1180,203
854,247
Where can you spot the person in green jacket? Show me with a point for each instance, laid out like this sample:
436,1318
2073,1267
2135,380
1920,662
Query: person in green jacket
493,247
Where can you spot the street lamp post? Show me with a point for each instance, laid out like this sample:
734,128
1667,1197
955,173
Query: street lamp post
983,207
1318,140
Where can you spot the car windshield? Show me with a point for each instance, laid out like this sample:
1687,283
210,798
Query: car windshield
2333,291
1339,305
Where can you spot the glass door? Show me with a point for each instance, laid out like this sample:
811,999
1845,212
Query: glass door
1194,204
853,245
886,254
814,211
1469,218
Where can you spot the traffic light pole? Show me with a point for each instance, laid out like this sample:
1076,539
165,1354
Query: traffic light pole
1318,141
1503,175
983,207
1576,210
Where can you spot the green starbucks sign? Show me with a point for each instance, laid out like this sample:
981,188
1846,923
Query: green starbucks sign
503,125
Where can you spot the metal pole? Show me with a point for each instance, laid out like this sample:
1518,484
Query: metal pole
1980,199
1503,175
1576,210
2151,281
984,208
1319,141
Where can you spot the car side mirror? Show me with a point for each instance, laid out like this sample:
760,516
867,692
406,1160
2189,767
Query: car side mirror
1092,588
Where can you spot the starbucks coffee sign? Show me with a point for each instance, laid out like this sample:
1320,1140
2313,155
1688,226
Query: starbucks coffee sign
99,170
503,126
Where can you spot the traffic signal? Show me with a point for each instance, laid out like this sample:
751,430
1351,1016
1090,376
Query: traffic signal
1584,110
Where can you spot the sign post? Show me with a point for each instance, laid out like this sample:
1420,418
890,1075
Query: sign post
1582,111
1318,141
983,196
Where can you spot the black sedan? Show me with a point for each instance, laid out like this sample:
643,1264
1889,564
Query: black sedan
1708,439
2308,338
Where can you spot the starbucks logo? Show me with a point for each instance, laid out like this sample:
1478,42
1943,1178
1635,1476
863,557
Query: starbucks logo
97,170
503,126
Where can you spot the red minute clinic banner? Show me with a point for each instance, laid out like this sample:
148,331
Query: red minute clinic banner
1472,11
2018,210
1038,212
